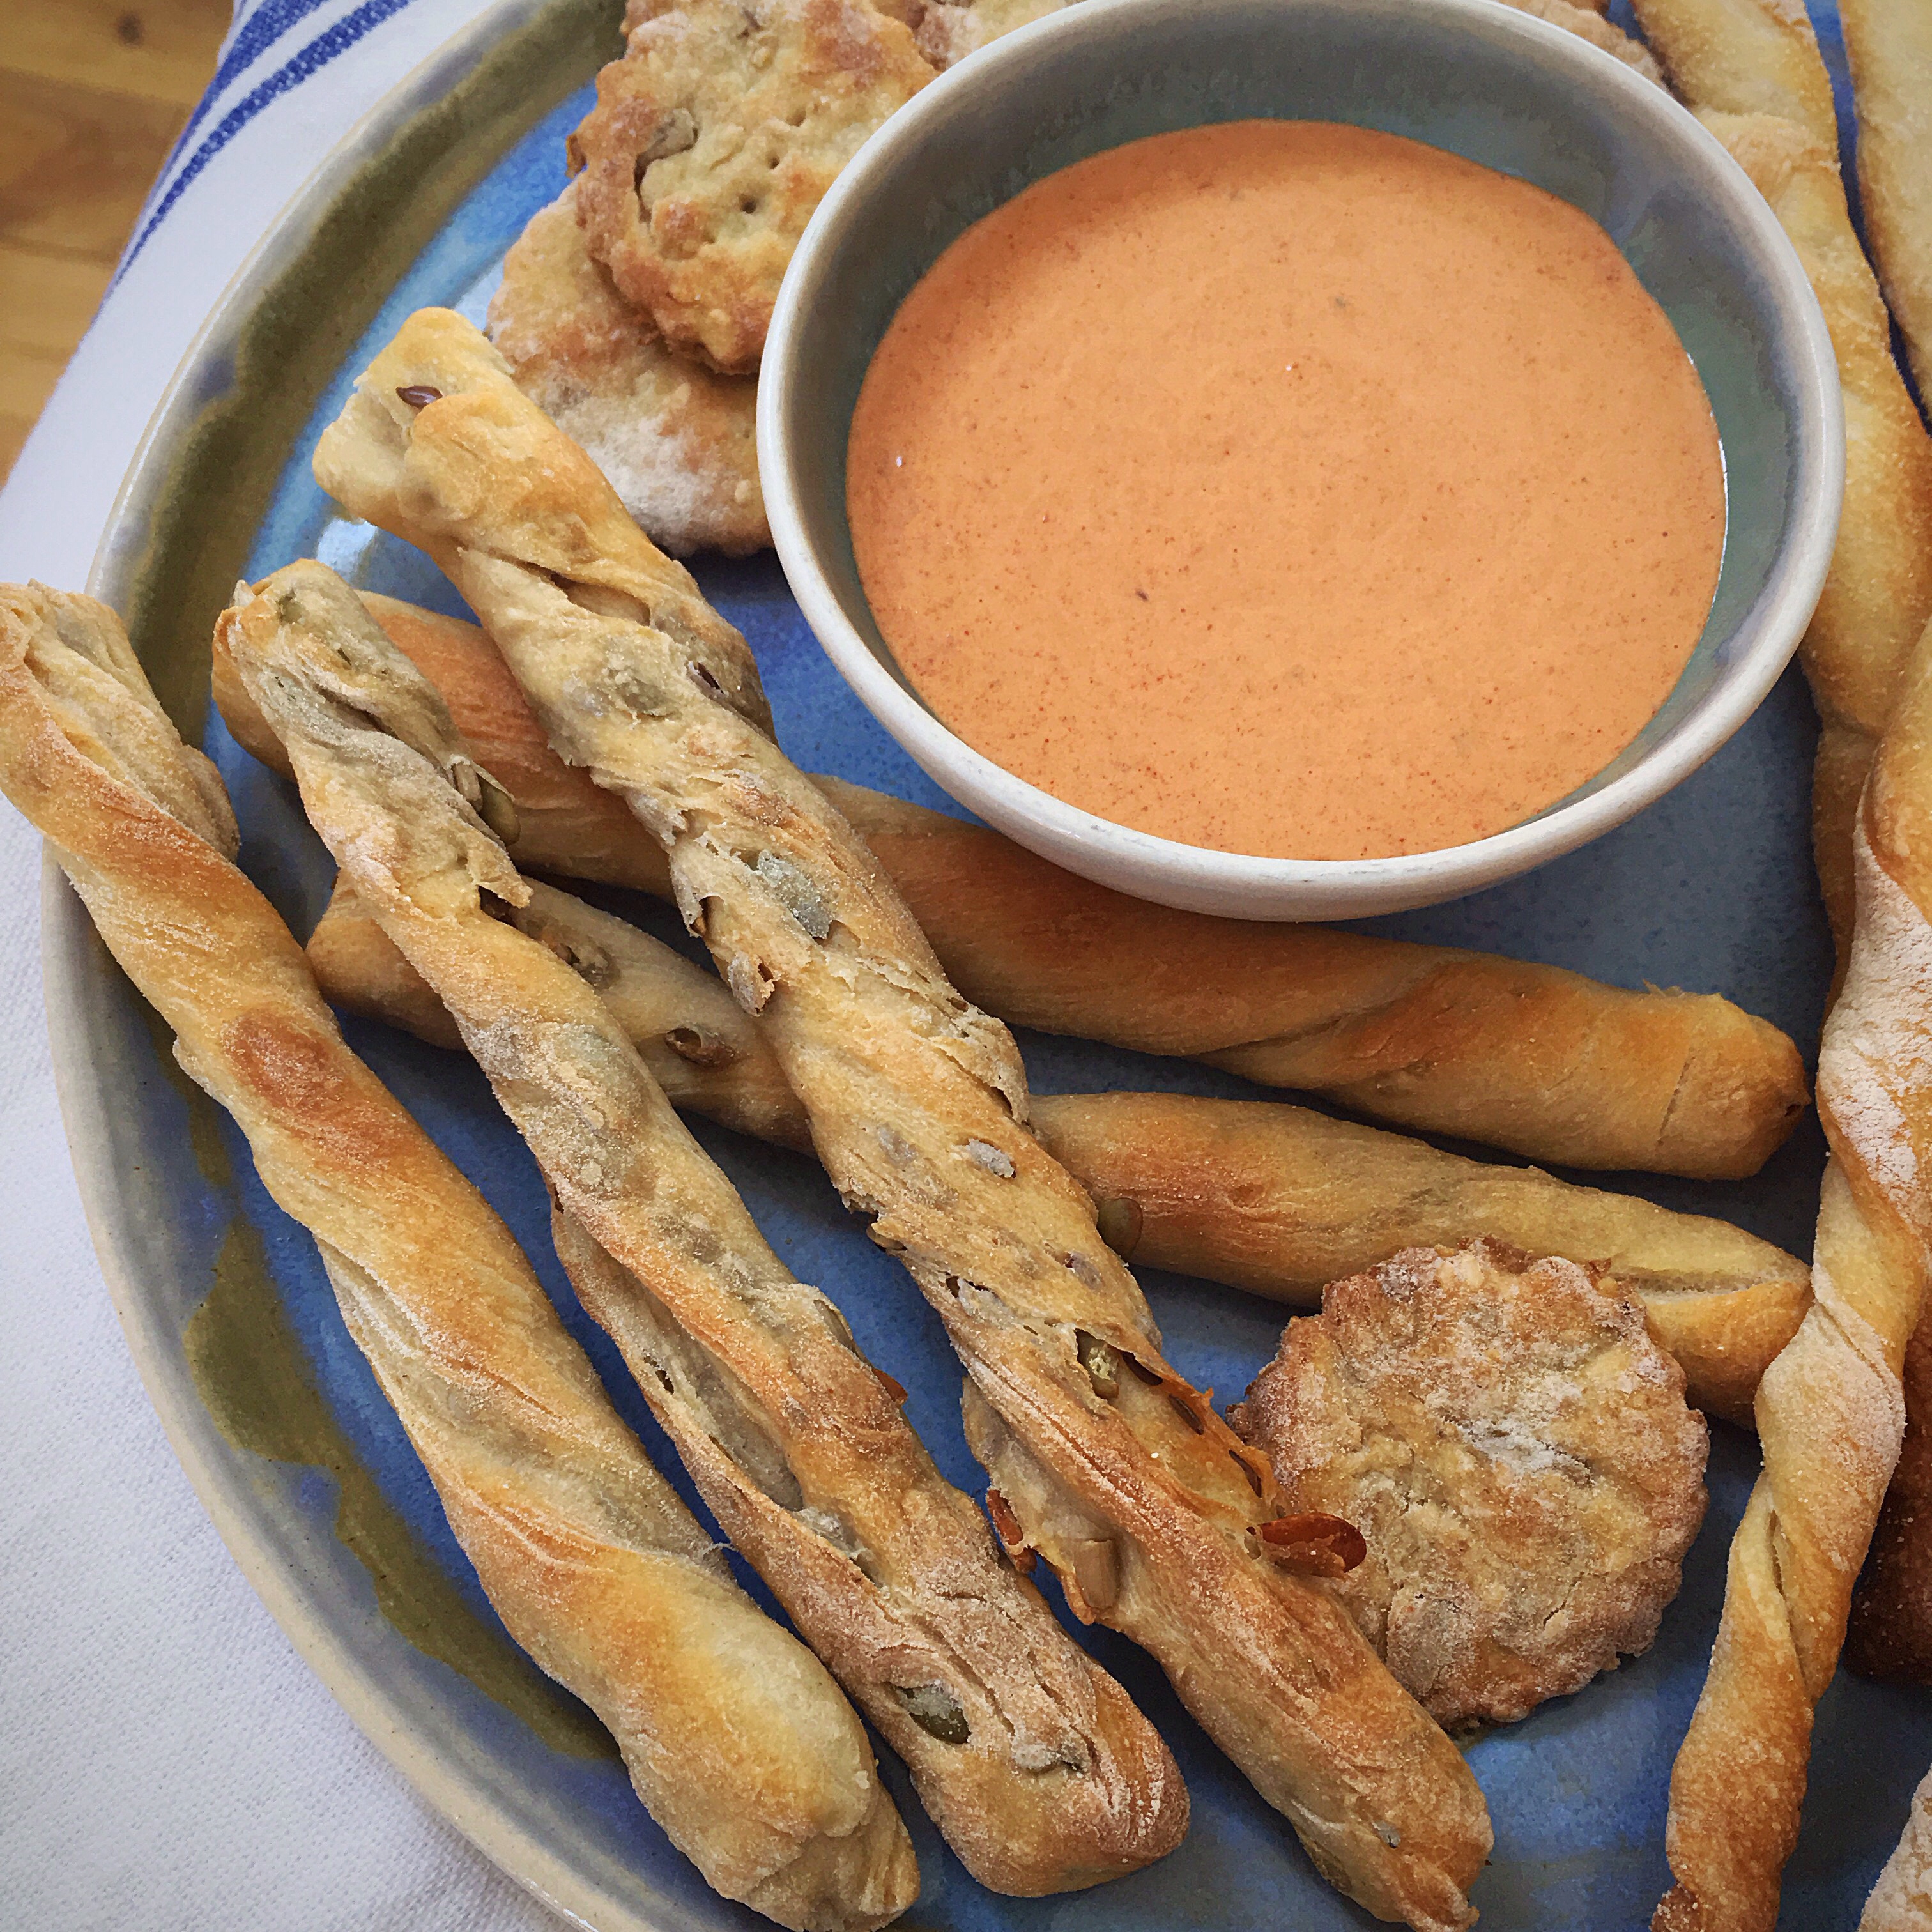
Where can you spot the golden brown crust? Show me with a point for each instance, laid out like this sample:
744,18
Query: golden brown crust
1588,24
1542,1062
735,1736
1516,1451
1281,1201
1275,1199
1034,1763
1141,1497
947,30
1830,1414
1750,57
679,444
713,141
1878,596
1890,1635
1889,48
1901,1901
1531,1058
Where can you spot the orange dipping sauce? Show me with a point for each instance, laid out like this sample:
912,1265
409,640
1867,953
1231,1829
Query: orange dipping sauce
1288,488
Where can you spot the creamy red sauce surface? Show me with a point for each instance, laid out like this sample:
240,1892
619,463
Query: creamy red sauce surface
1288,488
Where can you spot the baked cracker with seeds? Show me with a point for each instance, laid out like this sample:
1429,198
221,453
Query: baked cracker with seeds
678,443
711,143
1517,1452
947,31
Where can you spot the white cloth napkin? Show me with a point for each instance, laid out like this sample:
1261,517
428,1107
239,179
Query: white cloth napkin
167,1763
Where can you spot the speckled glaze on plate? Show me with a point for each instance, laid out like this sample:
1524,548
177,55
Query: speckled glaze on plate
276,1418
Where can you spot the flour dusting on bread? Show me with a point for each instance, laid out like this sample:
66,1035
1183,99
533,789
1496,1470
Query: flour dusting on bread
1518,1454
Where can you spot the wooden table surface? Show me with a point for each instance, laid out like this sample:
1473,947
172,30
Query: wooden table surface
92,93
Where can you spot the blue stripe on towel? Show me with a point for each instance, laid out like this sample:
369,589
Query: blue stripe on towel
260,31
319,52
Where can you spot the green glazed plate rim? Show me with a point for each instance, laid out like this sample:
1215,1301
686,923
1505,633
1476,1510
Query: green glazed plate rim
166,560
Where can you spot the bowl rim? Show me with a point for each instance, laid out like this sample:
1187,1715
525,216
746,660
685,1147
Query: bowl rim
1202,878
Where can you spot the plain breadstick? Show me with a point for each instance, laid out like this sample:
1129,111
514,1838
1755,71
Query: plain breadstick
1752,71
1107,1461
1033,1761
1283,1201
700,1045
1542,1062
1587,23
1889,48
1829,1410
1890,1633
1901,1901
1743,57
737,1739
1275,1199
1878,594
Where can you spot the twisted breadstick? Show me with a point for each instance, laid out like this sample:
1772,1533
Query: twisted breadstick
1283,1201
1751,69
1544,1062
1275,1199
1586,23
1748,57
1890,1633
1889,48
736,1738
1108,1462
697,1042
1033,1761
1878,593
1901,1901
1829,1411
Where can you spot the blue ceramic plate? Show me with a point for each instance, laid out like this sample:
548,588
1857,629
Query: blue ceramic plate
277,1419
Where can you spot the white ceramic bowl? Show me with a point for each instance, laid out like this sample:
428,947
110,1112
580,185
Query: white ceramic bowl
1471,76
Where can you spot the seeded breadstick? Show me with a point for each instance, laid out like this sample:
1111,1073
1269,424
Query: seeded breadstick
736,1738
700,1048
1888,47
1156,1517
1544,1062
1275,1199
1034,1762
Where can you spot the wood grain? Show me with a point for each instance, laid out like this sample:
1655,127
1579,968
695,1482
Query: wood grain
153,49
92,94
